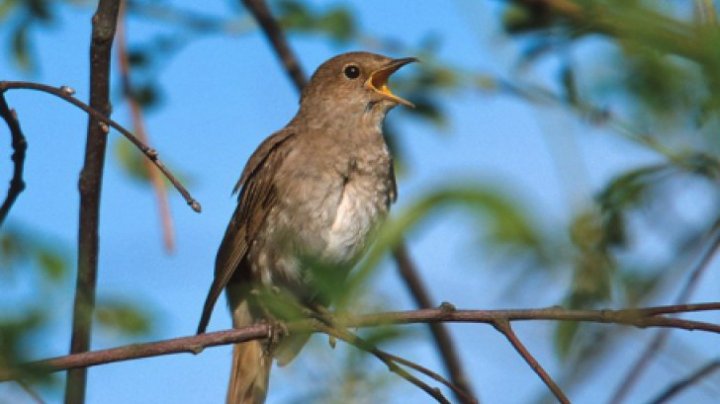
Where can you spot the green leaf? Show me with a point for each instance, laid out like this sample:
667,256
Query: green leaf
123,317
565,333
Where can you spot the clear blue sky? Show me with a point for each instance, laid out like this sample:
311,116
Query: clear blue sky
223,95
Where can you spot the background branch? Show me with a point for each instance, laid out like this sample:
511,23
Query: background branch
19,146
695,377
411,276
273,32
658,341
139,128
103,31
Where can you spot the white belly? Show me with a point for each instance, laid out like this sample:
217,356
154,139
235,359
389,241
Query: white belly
359,210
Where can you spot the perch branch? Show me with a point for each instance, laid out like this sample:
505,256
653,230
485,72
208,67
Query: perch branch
642,318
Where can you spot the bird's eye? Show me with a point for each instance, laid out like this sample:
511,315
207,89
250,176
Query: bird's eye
352,71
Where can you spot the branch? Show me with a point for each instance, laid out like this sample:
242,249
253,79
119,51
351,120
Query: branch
504,327
289,61
275,35
66,94
389,360
19,146
139,127
195,344
443,341
695,377
90,186
633,374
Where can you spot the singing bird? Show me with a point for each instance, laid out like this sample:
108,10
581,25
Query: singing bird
320,186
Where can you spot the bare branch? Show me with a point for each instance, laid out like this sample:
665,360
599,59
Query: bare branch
139,128
90,186
642,318
633,374
439,331
389,360
65,93
504,327
694,378
19,146
274,34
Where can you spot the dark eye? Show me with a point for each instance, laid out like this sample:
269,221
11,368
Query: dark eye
352,72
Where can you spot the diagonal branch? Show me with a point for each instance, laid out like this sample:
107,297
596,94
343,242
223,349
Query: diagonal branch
289,61
641,363
445,345
19,146
504,327
390,361
694,378
275,35
66,93
103,30
139,128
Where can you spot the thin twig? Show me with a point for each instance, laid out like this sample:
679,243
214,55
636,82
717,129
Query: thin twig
694,378
195,344
103,30
504,327
275,35
433,375
30,391
389,360
443,341
65,93
636,370
19,146
139,128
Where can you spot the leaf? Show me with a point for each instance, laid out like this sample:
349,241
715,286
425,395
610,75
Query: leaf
20,47
123,317
565,333
53,264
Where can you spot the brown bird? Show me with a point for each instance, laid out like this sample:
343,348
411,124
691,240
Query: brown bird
318,187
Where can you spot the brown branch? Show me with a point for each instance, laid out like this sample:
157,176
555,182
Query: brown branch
694,378
19,146
641,363
66,93
504,327
90,186
275,35
389,360
195,344
443,341
290,63
139,128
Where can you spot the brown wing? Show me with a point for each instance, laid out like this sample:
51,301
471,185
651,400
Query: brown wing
256,197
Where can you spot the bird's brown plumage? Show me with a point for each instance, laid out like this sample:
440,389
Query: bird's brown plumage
318,187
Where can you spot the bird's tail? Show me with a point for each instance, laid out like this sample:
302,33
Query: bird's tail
250,366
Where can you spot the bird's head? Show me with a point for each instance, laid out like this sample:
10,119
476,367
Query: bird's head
355,82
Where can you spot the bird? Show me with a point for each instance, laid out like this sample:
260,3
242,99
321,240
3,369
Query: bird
319,187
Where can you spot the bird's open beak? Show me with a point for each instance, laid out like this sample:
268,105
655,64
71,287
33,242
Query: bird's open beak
378,80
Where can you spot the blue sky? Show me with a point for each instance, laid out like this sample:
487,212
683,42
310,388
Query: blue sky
222,96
